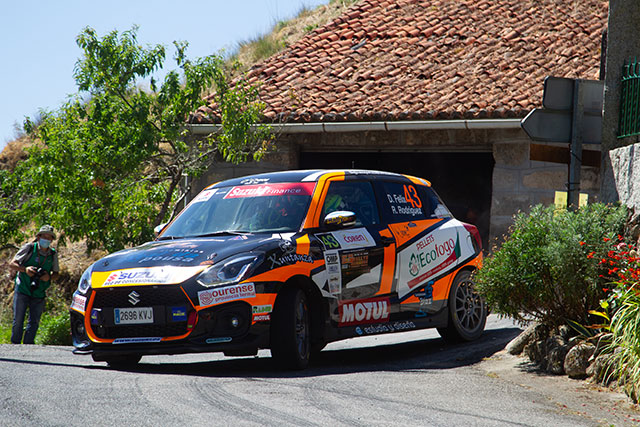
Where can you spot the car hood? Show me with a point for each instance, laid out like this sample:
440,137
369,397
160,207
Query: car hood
173,261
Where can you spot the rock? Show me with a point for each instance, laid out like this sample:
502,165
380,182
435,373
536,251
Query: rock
565,332
599,368
535,351
517,345
577,360
557,350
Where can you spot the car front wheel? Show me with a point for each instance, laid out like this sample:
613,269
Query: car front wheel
290,340
467,311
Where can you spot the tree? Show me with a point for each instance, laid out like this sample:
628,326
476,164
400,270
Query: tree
108,164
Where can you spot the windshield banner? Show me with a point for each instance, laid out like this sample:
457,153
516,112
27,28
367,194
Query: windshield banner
283,189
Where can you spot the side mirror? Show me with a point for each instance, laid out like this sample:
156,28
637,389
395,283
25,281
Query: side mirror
339,219
158,228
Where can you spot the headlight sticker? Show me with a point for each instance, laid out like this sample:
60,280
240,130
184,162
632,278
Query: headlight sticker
79,303
229,293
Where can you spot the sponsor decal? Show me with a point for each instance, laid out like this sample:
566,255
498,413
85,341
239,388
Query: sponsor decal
254,181
172,255
137,275
334,276
434,257
355,261
79,303
289,259
364,311
144,276
95,316
385,328
328,241
261,309
284,189
353,239
261,317
218,340
179,314
136,340
229,293
204,196
426,295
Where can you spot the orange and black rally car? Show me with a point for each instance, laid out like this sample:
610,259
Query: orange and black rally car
287,261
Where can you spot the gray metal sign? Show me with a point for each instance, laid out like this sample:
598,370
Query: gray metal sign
555,126
558,94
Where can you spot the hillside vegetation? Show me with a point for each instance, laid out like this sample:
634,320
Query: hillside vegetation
74,256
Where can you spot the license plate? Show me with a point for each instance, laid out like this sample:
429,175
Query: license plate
125,316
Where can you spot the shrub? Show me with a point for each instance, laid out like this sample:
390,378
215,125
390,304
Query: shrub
54,330
547,269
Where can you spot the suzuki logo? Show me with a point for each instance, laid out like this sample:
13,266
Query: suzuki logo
134,298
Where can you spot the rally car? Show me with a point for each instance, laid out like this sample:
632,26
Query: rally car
286,261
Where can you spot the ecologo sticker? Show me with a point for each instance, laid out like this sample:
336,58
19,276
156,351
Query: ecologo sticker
229,293
432,257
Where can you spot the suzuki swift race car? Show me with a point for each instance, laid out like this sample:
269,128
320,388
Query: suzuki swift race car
285,261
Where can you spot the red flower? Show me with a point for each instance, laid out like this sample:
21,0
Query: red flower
606,239
583,243
605,289
590,255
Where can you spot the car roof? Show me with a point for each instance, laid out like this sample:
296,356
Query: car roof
315,175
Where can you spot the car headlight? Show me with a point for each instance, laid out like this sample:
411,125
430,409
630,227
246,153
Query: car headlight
85,281
231,270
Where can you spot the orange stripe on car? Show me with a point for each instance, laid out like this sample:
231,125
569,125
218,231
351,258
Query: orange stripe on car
388,267
315,209
302,245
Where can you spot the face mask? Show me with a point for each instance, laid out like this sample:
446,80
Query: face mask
44,243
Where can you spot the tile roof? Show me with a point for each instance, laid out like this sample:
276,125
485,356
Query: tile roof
430,59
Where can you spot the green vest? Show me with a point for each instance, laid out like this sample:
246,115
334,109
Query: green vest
23,281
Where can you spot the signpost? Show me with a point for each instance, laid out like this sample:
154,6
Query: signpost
572,114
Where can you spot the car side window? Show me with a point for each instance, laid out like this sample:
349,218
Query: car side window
435,207
354,196
404,202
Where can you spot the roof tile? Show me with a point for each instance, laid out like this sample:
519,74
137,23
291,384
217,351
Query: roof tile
426,59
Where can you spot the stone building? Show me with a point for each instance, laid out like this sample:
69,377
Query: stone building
432,88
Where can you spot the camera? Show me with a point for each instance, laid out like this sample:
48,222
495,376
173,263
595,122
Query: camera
35,279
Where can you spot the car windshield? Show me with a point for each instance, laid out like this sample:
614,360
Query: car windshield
278,207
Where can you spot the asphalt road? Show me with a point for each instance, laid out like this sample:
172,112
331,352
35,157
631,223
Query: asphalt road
408,379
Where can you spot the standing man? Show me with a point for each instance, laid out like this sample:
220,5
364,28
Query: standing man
36,264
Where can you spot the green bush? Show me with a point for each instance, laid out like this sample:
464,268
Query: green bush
548,267
54,330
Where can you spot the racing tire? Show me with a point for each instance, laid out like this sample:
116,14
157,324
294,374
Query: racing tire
121,361
290,326
467,311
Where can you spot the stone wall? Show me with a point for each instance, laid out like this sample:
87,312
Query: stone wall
518,182
625,162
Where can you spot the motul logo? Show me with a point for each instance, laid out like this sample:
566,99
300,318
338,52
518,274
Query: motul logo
365,311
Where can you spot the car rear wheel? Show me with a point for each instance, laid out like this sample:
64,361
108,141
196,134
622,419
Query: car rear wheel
467,311
290,338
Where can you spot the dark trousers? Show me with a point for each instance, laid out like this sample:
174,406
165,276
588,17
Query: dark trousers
21,303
